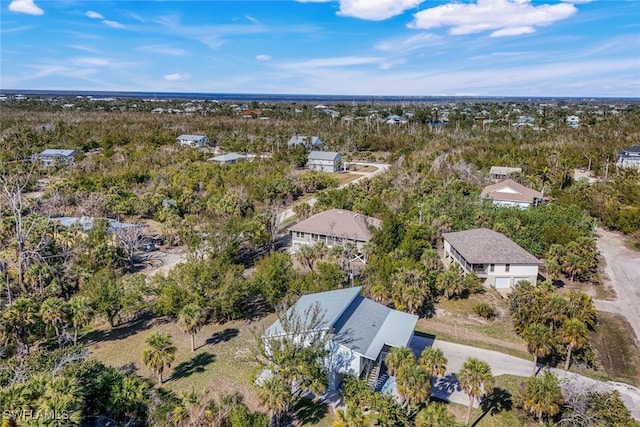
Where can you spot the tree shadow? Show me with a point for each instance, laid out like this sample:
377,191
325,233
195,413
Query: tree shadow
498,401
222,336
444,387
310,411
125,330
190,367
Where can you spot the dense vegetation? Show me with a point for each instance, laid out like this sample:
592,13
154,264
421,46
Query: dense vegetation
58,281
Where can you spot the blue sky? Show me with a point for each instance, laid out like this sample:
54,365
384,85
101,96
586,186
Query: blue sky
348,47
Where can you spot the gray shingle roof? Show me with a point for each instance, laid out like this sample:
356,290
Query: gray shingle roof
510,190
339,223
503,170
229,157
304,140
323,155
484,246
58,152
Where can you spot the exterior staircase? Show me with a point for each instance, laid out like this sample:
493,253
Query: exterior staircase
372,378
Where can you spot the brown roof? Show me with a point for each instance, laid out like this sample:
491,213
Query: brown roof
484,246
510,190
339,223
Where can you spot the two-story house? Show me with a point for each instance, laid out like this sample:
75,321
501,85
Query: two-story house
325,161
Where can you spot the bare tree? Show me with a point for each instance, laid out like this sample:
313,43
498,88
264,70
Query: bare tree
129,240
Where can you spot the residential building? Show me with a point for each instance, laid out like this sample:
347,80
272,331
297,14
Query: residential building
229,158
54,156
512,193
494,257
362,331
573,121
192,140
86,223
325,161
307,141
498,173
629,157
334,227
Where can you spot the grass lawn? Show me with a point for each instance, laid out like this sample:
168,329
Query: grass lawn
223,360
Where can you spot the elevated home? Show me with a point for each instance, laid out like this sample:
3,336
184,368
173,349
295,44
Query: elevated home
54,156
499,173
192,140
334,227
362,331
494,257
512,193
629,157
229,158
306,141
325,161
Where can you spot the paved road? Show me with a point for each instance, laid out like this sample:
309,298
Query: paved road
448,388
380,168
623,275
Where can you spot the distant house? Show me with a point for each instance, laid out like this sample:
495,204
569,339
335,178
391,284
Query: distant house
53,157
573,121
192,140
334,227
629,157
86,223
512,193
502,172
325,161
492,256
362,332
396,120
306,141
229,158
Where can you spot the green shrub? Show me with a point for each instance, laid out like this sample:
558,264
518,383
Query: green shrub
485,310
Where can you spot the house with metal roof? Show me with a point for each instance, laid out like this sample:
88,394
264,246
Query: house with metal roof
629,157
512,193
55,156
494,257
306,141
229,158
325,161
362,331
192,140
502,172
334,227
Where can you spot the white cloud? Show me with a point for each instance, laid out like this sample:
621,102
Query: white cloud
345,61
25,6
113,24
163,50
375,10
90,62
176,77
94,15
263,57
409,44
502,17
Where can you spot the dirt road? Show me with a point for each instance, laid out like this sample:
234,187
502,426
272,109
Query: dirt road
623,275
379,168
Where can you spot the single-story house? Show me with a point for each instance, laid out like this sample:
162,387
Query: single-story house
86,223
325,161
334,227
512,193
54,156
229,158
573,121
502,172
306,141
192,140
629,157
363,331
492,256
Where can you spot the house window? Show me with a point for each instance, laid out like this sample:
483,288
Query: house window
506,268
492,267
299,234
315,237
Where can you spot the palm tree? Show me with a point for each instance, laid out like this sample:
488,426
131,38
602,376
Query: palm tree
397,357
306,256
539,342
542,396
435,415
159,352
191,318
350,417
434,361
475,379
275,396
580,306
573,333
129,396
18,320
414,384
53,312
81,313
450,282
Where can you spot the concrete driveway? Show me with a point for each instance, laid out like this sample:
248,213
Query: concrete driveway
623,275
448,388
